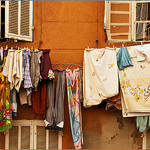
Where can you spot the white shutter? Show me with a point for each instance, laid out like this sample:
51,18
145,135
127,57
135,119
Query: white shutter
118,20
19,20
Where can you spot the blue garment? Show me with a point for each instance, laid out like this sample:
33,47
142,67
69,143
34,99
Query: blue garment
143,123
123,58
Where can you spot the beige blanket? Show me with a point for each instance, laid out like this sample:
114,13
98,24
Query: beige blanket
135,86
100,79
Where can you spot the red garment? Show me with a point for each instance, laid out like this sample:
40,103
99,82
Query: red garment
45,64
40,98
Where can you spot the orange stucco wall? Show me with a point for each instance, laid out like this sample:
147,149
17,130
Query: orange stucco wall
67,28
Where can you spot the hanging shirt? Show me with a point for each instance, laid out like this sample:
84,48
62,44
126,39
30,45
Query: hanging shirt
26,72
35,67
123,58
45,64
13,69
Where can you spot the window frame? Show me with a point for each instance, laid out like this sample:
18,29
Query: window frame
108,22
132,21
18,36
33,133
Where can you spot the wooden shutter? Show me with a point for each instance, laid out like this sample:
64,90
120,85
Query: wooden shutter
19,20
20,136
46,139
31,134
118,20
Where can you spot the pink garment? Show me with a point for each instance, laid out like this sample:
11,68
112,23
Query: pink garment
74,106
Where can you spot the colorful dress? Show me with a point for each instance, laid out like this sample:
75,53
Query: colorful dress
5,105
74,106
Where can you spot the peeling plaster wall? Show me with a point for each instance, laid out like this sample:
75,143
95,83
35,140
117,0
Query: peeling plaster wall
109,130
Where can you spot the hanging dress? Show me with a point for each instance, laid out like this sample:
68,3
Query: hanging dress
74,106
5,104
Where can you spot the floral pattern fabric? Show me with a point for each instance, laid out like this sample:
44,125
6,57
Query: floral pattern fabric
74,106
135,87
5,104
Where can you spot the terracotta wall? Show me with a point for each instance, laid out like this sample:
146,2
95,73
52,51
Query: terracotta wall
67,28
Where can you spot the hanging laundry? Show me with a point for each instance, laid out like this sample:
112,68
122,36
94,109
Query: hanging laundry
55,112
74,106
24,99
5,104
13,68
144,51
81,85
123,58
135,87
5,53
40,98
100,78
114,102
1,55
45,64
13,98
35,67
26,72
143,123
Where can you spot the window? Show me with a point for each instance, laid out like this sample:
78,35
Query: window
31,134
127,21
16,20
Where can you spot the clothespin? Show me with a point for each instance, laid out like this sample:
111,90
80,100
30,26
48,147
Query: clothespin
122,44
113,46
18,48
11,48
88,47
141,43
32,48
61,68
